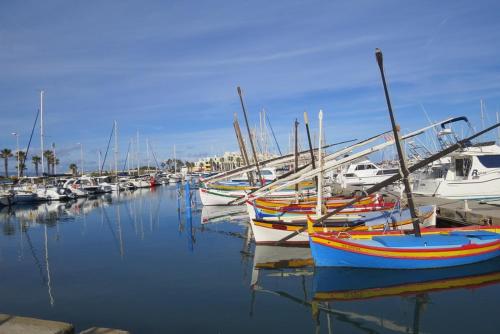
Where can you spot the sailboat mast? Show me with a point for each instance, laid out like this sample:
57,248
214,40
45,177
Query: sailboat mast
319,194
250,137
175,162
137,153
402,162
147,151
41,130
116,150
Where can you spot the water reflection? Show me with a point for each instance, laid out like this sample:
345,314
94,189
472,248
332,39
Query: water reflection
341,295
150,248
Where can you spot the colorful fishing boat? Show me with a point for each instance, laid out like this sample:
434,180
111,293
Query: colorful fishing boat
453,248
300,211
268,231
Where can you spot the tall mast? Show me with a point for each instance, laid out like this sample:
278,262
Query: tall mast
175,162
41,129
319,195
147,151
402,162
99,158
116,150
250,136
137,152
243,149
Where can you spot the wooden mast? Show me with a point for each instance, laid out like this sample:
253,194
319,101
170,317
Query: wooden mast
402,162
243,149
250,136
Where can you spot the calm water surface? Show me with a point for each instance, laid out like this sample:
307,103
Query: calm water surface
137,262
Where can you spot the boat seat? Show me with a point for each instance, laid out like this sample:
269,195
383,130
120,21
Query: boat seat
481,235
424,241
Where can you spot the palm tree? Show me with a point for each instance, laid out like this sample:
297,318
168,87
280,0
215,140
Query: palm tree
73,168
6,154
49,155
21,158
36,160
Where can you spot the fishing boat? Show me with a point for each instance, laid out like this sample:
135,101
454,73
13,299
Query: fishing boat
418,251
390,251
288,210
268,231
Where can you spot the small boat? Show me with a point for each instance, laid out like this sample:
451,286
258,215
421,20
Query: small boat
300,211
268,231
453,248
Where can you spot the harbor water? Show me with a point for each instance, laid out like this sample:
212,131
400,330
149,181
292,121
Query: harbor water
141,262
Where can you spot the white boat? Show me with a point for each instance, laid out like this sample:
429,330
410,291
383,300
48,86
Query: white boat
363,174
471,173
140,182
82,187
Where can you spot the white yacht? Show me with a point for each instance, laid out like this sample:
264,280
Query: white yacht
363,174
82,187
470,173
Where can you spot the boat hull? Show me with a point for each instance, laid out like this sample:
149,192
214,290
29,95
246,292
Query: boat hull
413,252
269,232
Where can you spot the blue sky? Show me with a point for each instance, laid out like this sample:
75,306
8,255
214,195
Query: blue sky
169,69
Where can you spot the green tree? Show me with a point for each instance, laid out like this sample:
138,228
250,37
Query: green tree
6,154
36,160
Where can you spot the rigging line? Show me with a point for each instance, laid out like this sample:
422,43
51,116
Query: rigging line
272,132
154,155
107,148
126,157
31,137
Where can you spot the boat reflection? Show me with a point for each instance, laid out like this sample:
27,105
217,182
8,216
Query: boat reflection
354,284
217,214
356,298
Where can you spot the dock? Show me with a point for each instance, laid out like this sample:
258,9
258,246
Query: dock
12,324
463,212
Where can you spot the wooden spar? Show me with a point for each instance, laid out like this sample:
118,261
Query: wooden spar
250,136
319,182
296,150
243,150
396,177
313,163
402,162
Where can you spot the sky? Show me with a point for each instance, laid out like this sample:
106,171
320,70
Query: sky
169,70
